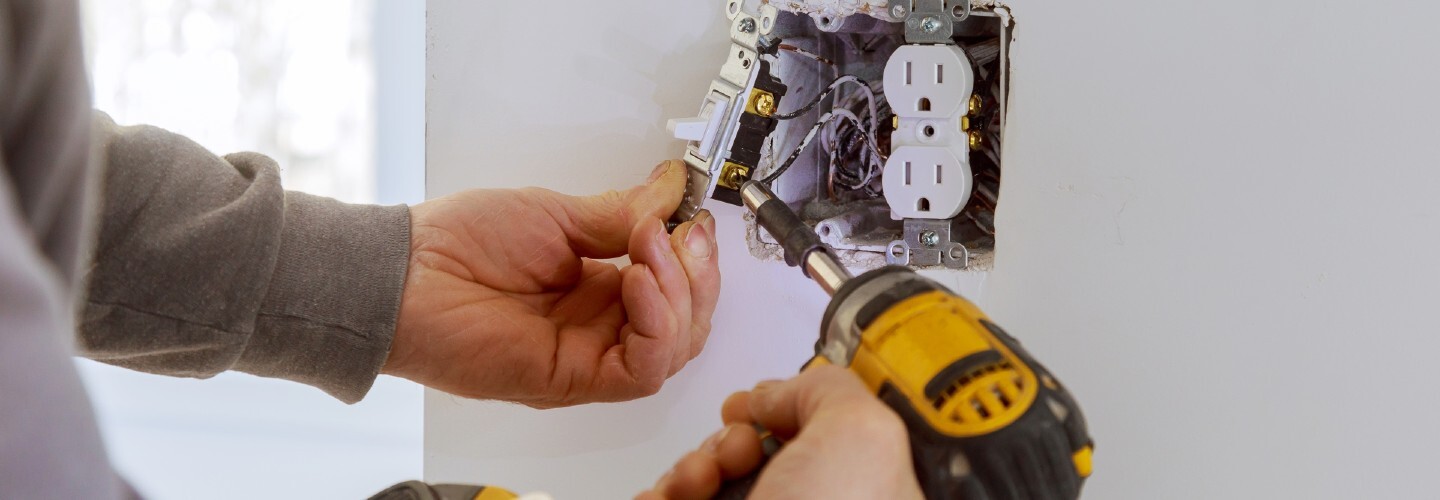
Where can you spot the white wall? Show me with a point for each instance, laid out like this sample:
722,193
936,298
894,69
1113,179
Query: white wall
1215,226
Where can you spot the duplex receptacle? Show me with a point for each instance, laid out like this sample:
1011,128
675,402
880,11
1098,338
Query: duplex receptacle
928,173
889,144
928,81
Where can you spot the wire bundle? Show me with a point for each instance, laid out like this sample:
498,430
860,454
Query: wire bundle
849,138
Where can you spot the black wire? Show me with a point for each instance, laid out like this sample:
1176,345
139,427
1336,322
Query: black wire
809,137
793,156
829,88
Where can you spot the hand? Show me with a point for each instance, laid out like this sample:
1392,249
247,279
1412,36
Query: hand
503,300
840,442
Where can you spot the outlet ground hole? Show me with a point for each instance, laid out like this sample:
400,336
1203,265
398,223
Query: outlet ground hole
923,105
923,205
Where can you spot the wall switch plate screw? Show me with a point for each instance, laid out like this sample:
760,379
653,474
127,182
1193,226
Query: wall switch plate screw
931,24
747,25
930,238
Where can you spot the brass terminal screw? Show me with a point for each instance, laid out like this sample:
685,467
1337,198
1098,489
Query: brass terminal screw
765,104
976,103
734,177
976,140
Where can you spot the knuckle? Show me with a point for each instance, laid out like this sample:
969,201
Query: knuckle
700,332
613,197
536,193
877,421
650,386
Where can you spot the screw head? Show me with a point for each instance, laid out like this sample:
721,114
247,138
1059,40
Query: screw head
765,104
976,140
931,24
747,25
929,238
735,177
899,11
975,104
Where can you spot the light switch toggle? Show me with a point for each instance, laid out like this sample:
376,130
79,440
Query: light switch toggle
703,129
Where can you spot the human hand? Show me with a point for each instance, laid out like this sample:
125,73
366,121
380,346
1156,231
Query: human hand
840,442
504,301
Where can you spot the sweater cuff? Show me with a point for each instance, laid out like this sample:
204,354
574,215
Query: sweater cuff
329,315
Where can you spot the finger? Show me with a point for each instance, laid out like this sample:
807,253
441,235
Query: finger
640,363
736,409
650,245
695,243
599,226
696,475
594,297
820,392
737,450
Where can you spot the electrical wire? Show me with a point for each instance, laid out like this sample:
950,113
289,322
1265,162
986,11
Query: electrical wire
810,136
869,137
869,94
805,53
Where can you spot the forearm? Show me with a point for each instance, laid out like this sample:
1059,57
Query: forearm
205,264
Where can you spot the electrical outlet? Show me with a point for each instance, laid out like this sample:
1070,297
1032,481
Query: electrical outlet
889,140
928,81
928,174
926,183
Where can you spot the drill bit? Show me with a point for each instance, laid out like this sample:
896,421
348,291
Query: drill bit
802,246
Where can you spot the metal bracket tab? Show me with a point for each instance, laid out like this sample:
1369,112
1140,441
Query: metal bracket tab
928,242
929,21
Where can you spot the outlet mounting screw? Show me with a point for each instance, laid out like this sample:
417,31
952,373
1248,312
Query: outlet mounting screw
747,25
931,24
899,11
929,238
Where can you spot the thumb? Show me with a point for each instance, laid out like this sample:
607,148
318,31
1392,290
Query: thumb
599,226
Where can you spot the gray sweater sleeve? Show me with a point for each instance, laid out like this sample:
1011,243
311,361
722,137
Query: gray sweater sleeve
205,264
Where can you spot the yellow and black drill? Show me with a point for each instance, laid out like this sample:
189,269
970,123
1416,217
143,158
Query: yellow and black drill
986,421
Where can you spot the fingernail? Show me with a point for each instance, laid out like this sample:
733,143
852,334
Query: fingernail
713,444
659,172
763,385
705,219
698,242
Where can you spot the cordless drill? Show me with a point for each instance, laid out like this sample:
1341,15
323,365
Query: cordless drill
986,421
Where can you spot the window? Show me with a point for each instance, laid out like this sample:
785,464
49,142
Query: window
333,90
